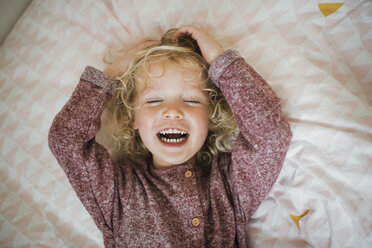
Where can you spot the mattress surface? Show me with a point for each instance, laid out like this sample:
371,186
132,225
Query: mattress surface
317,58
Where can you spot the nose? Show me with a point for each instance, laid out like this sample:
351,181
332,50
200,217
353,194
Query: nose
173,111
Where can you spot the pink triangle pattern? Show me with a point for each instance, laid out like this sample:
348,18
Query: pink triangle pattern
321,68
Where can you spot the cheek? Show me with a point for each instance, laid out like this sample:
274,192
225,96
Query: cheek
143,119
202,120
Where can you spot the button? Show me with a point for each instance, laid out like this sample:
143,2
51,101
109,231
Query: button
195,222
188,173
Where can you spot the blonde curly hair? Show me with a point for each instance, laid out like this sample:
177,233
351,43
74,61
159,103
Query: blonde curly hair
185,54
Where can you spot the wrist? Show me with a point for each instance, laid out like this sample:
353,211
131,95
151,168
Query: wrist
217,54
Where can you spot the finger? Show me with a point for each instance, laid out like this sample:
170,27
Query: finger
187,30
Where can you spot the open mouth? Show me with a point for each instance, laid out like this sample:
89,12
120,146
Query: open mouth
172,136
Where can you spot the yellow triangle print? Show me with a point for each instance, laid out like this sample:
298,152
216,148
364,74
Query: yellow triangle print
329,8
296,218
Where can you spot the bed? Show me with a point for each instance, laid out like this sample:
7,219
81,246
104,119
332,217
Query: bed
316,55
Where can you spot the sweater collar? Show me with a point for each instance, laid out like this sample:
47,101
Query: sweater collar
168,170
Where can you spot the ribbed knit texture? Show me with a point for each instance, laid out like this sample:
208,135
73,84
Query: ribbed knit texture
136,205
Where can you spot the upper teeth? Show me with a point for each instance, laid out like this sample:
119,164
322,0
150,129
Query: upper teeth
170,131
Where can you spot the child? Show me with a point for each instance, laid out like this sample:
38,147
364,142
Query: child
180,183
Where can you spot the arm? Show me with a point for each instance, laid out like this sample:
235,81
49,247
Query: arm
264,135
86,163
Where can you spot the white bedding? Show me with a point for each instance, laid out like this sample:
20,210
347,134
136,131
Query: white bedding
321,68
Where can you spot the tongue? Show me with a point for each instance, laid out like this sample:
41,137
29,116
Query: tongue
173,136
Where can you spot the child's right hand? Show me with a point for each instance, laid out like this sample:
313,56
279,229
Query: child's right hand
120,66
209,47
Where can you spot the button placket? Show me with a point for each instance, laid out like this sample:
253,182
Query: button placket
189,177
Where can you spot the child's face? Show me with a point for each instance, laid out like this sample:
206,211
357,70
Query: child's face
171,115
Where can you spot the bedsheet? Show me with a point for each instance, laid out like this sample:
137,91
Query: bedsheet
316,55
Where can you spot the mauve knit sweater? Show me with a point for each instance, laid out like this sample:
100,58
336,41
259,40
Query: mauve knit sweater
135,204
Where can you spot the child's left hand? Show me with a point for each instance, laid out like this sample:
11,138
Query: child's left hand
210,48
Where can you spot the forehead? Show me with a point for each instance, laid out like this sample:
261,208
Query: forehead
167,74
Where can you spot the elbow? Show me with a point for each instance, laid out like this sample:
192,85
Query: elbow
281,134
287,133
57,137
283,137
54,139
276,140
59,145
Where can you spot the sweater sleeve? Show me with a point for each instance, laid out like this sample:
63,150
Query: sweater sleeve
264,136
86,163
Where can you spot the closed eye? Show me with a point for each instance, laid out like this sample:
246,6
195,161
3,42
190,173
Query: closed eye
153,102
192,102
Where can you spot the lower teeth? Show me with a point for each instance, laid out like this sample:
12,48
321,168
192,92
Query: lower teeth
172,140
